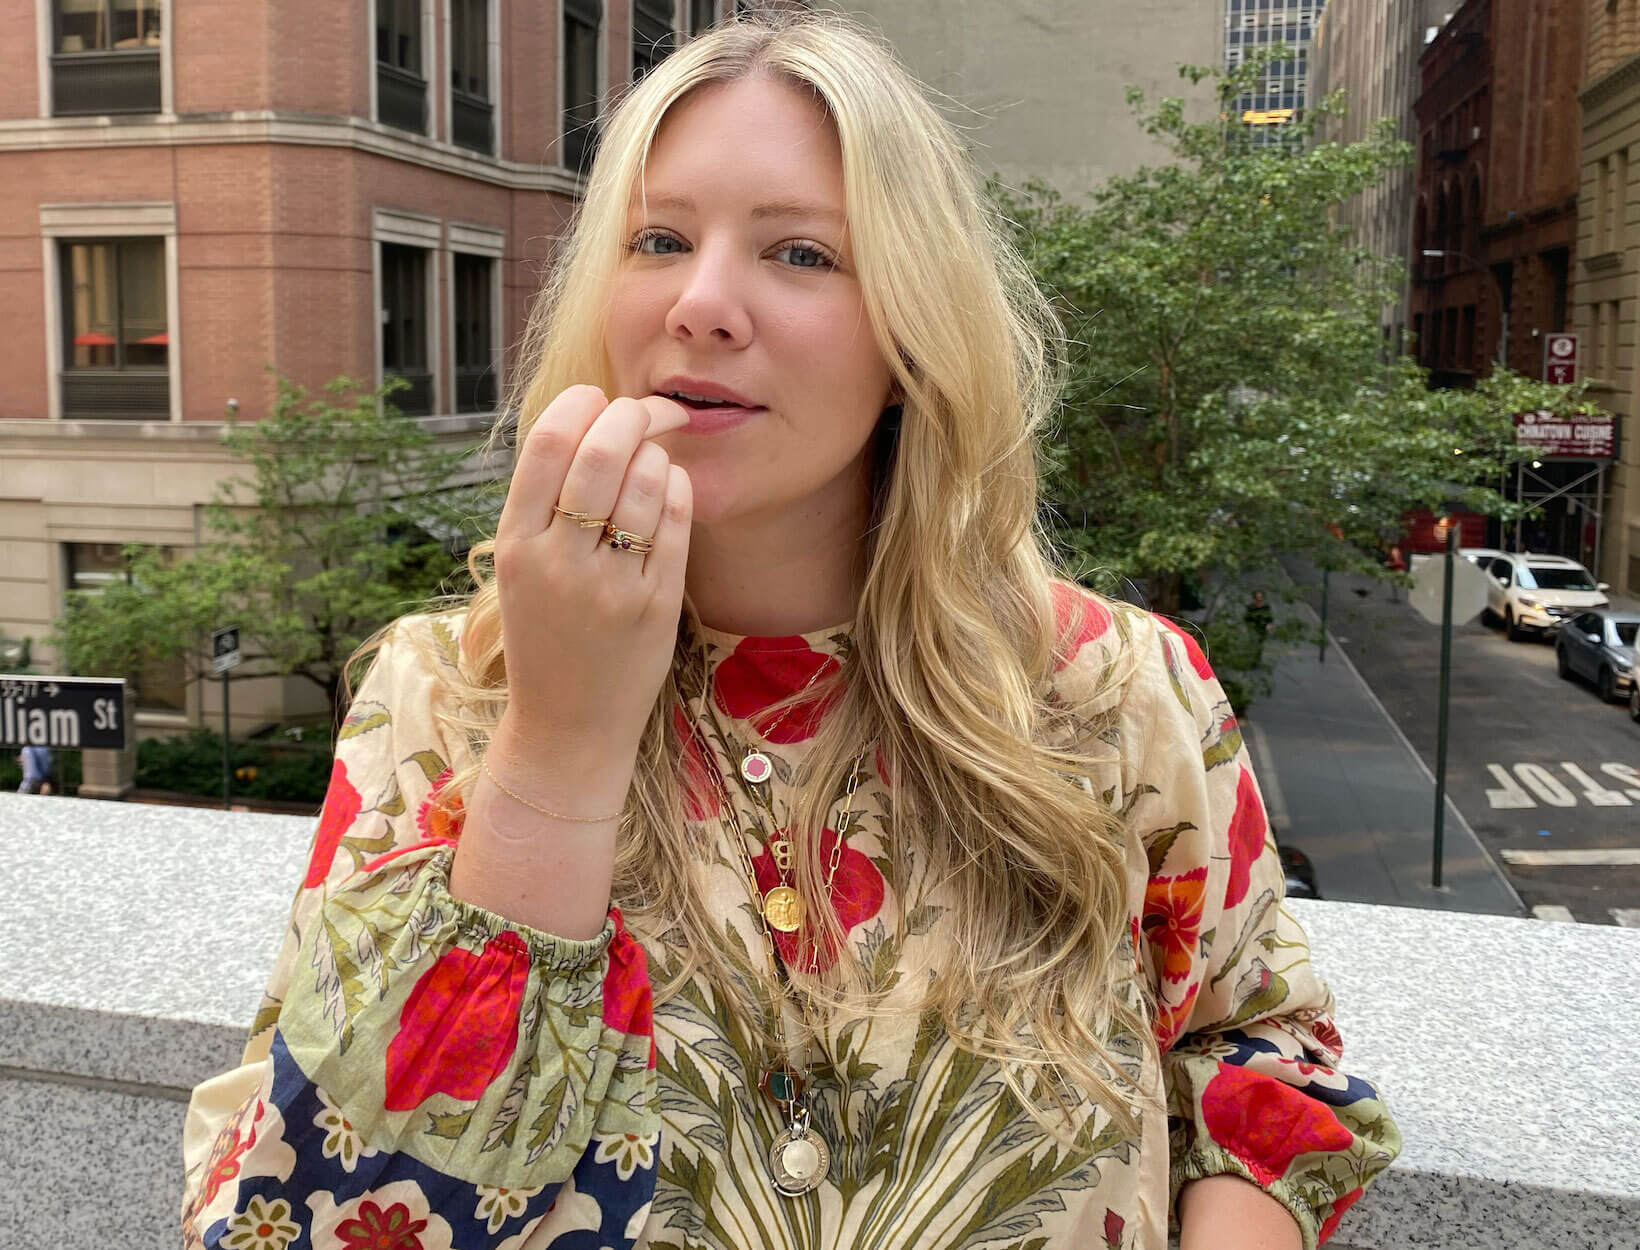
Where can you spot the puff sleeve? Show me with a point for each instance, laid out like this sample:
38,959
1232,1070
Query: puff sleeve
1250,1054
423,1072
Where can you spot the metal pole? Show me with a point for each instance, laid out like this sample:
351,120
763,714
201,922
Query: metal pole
1600,522
1324,573
1519,495
1446,699
227,765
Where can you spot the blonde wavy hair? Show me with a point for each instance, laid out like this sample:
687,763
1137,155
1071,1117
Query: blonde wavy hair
955,635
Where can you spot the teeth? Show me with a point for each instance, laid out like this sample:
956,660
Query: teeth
699,399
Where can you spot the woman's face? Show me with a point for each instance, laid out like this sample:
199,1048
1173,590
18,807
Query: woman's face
739,284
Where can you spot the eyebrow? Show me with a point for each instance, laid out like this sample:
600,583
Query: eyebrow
760,212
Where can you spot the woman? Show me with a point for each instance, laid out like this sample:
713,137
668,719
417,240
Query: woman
773,852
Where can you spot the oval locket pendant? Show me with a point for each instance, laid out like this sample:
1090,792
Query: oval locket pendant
799,1161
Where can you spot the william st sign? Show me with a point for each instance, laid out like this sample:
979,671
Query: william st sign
64,713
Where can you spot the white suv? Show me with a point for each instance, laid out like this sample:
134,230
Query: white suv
1536,592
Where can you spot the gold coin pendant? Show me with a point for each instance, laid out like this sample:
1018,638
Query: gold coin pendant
783,909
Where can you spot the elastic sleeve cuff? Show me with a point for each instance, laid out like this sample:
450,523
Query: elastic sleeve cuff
547,951
1211,1159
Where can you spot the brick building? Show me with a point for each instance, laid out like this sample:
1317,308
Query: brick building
1497,184
191,193
1608,245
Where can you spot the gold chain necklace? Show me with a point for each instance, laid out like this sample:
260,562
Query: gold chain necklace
799,1157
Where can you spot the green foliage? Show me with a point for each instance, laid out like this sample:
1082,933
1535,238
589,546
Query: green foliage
325,536
192,764
1230,397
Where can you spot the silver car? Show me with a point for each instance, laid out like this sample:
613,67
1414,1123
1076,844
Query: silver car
1599,646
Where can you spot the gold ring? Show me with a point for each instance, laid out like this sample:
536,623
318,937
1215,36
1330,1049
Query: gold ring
624,540
584,519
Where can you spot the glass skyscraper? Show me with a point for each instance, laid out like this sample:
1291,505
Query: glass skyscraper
1281,91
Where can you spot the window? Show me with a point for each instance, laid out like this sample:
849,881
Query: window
653,39
404,326
702,15
106,56
401,91
160,686
471,109
116,340
582,20
474,333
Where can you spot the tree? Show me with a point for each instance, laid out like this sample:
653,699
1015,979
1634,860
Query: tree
1230,395
343,519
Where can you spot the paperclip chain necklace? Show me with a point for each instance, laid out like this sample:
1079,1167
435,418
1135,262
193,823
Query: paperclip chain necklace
799,1157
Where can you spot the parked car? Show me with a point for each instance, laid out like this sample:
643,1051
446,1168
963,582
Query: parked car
1600,647
1532,592
1475,555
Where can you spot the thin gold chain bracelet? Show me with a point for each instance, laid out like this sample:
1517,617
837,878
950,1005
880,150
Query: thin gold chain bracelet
516,797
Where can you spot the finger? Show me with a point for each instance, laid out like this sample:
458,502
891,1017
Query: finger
666,563
638,508
544,459
593,482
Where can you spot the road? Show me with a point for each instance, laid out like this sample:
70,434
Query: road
1538,766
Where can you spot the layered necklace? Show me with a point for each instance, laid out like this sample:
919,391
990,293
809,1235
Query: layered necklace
799,1157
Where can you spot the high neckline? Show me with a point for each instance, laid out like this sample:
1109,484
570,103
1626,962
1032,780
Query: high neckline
827,641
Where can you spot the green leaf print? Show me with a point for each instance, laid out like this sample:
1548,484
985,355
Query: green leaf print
353,727
558,1108
449,1126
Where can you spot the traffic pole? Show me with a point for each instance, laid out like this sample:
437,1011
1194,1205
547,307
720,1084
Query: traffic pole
1324,573
227,765
1446,699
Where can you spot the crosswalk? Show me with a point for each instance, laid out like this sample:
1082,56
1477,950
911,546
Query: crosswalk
1627,917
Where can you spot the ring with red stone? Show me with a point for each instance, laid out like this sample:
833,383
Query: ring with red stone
625,540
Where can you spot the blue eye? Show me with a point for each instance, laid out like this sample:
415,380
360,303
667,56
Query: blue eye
645,237
819,258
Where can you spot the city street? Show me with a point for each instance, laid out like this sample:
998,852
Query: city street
1546,775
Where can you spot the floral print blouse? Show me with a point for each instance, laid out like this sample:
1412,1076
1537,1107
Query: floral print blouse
424,1074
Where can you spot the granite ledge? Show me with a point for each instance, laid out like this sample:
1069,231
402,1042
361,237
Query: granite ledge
139,937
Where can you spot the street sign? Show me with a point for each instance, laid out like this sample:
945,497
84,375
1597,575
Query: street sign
225,649
1560,359
1581,436
1468,589
68,713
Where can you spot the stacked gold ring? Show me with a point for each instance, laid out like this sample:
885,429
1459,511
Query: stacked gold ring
584,519
625,540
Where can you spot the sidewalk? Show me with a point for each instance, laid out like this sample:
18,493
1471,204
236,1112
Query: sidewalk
1344,786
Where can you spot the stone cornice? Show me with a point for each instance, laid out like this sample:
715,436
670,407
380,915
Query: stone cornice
46,134
190,440
1611,85
1603,262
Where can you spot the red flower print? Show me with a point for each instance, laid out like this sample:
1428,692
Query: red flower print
375,1229
1330,1225
440,817
856,896
1173,921
881,761
459,1026
1172,1017
1198,661
1266,1123
761,672
1114,1224
1247,828
697,774
1326,1032
225,1161
1079,618
628,999
342,806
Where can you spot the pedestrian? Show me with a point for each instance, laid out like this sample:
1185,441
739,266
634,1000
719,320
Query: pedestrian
36,763
1261,623
772,850
1396,563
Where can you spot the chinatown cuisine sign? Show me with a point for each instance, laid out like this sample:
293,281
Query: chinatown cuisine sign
1580,437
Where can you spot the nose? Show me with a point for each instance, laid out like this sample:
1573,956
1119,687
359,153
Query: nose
710,303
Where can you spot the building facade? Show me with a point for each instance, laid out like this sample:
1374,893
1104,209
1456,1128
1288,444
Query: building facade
1251,26
1369,49
1038,88
1608,247
196,195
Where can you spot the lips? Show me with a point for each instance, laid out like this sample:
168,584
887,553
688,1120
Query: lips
692,391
